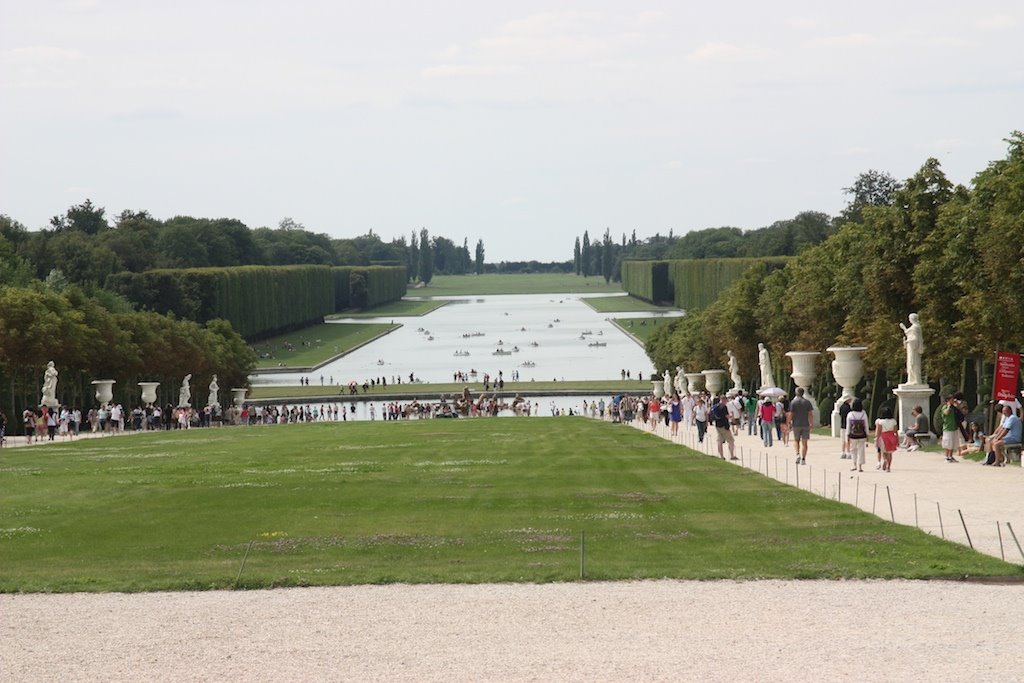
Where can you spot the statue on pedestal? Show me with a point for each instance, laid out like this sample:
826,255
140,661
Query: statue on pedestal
49,386
185,393
680,381
668,383
214,388
734,371
913,339
765,361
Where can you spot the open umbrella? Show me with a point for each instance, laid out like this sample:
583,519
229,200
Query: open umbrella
1015,404
774,392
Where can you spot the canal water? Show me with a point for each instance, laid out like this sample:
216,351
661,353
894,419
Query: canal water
543,337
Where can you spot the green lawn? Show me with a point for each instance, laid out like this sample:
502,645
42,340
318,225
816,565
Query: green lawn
595,386
621,304
643,327
399,309
493,283
313,345
493,499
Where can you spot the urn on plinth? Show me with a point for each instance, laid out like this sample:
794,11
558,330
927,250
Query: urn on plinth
149,392
238,396
104,390
658,388
847,369
695,381
805,369
714,380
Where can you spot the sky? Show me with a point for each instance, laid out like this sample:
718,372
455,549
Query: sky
522,124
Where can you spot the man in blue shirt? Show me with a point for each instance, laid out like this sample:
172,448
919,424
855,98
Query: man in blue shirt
1008,434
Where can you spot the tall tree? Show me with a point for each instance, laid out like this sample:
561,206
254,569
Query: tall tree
479,257
606,255
576,256
426,258
414,257
585,255
871,188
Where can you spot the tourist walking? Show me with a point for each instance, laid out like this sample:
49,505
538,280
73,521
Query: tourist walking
720,416
700,417
887,437
801,413
767,421
857,433
952,422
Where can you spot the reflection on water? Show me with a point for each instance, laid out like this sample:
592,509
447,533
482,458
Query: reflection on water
543,337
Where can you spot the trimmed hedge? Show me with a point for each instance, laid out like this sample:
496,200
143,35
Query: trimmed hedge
383,284
690,284
697,283
256,300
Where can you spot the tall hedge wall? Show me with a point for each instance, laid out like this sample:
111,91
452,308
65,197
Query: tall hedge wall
256,300
647,280
691,284
698,282
383,284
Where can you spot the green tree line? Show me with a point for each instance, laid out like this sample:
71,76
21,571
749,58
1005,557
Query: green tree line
953,254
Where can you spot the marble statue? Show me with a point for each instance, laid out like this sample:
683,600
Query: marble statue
913,339
668,383
214,388
49,386
185,393
765,361
680,381
734,371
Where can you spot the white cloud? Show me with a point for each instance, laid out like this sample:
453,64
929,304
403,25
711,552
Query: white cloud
40,54
469,70
802,23
725,52
996,22
650,18
450,53
848,40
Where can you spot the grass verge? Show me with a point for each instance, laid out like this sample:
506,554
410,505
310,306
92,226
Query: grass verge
399,309
311,346
531,283
642,328
433,501
623,304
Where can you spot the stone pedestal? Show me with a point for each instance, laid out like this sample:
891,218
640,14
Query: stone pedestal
104,390
714,380
848,369
908,396
238,396
149,392
695,381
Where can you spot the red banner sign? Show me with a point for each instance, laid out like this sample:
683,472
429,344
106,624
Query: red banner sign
1004,388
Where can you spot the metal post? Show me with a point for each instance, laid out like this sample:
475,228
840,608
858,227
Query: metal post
856,497
916,523
244,558
889,494
965,528
1008,526
839,480
942,529
874,497
583,555
999,531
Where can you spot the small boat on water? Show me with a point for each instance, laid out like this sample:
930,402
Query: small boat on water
501,352
584,333
461,354
528,364
430,338
534,344
597,343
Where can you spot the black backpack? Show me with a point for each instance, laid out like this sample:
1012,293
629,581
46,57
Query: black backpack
858,429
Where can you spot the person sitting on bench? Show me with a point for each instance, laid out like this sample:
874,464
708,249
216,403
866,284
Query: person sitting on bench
1008,434
919,428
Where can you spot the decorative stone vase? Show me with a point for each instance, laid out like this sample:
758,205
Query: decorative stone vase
804,367
238,396
695,381
714,380
847,368
149,392
104,389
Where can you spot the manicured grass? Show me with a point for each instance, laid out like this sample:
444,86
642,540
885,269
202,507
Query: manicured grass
493,499
402,308
316,344
622,304
493,283
434,390
642,327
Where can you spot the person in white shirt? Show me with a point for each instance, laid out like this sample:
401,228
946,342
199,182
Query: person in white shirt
857,433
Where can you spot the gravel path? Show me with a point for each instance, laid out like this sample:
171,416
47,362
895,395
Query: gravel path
661,630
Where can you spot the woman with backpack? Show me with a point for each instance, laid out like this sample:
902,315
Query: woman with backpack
857,433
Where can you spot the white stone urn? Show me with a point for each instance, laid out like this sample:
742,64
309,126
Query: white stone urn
848,369
238,396
149,392
694,381
104,390
714,380
804,367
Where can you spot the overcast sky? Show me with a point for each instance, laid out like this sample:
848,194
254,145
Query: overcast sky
519,123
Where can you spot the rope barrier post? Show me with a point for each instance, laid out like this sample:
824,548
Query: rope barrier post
965,528
856,498
839,488
583,555
244,558
874,497
889,494
916,523
942,529
1008,526
999,531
